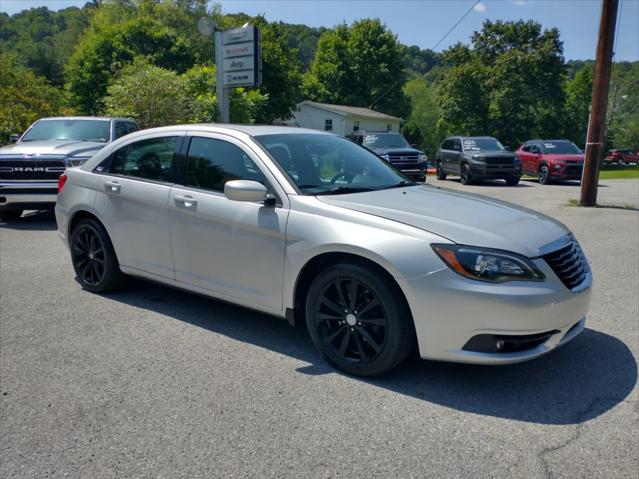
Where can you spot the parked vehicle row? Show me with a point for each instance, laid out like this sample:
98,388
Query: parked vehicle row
30,167
622,157
311,227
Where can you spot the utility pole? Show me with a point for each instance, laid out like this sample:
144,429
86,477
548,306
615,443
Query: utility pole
597,123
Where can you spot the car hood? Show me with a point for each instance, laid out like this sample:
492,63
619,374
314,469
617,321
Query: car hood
567,158
460,217
53,147
398,150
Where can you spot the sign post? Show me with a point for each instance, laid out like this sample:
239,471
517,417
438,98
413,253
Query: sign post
238,63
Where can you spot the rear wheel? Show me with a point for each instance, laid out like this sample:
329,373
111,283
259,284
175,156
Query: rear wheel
441,175
358,320
513,180
464,173
93,257
10,215
544,175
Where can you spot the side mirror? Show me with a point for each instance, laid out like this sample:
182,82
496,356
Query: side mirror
507,148
413,145
245,190
14,138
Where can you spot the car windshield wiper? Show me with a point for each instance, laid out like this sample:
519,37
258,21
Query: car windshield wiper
344,189
401,184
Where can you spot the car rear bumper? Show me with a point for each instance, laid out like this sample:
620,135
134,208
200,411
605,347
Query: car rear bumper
452,313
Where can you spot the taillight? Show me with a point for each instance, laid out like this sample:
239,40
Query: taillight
62,181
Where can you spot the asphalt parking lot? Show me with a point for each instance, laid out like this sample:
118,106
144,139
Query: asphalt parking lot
152,382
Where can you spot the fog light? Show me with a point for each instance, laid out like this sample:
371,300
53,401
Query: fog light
557,167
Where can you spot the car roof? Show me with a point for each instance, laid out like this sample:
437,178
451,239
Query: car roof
251,130
96,118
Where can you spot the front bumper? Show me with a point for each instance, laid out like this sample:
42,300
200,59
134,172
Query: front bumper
415,174
481,170
28,195
450,310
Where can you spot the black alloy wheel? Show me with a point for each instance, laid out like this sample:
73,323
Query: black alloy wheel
441,175
466,179
356,320
93,258
544,175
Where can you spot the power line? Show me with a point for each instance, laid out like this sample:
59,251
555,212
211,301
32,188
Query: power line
433,48
455,26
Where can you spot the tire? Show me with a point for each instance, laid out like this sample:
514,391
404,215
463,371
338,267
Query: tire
464,173
10,215
366,343
94,261
441,174
544,175
513,180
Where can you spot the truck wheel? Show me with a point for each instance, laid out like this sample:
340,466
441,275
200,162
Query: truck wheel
358,320
441,175
94,260
10,215
466,178
544,175
513,180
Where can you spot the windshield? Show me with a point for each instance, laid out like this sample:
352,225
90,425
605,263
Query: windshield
83,130
385,140
561,148
322,164
482,144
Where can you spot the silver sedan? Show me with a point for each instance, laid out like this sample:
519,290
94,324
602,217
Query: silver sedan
316,229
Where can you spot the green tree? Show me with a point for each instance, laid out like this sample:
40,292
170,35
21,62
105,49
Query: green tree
623,108
578,96
421,125
359,65
110,43
24,97
509,85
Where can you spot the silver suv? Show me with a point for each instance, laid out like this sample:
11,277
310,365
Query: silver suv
314,228
29,169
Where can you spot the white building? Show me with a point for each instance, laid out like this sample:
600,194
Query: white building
343,120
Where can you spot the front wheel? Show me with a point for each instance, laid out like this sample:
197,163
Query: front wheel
358,320
94,260
441,175
544,175
513,180
466,179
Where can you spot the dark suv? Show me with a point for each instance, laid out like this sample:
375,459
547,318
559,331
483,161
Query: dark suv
477,158
394,148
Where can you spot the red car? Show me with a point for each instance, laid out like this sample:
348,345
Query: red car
622,156
551,160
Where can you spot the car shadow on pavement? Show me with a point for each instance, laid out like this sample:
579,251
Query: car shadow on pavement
499,183
573,384
43,220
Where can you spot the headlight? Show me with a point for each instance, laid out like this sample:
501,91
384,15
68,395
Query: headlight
76,161
423,158
385,157
487,265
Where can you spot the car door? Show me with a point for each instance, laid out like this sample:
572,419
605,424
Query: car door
447,155
233,248
134,185
525,157
455,156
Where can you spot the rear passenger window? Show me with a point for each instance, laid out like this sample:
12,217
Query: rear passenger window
211,163
120,129
152,159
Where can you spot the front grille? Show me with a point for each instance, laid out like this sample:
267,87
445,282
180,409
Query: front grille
573,170
498,160
569,264
28,169
404,161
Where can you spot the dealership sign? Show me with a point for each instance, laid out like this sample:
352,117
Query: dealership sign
241,57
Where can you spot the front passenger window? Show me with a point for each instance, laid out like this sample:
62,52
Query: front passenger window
211,163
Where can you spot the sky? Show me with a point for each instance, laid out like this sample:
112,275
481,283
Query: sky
425,22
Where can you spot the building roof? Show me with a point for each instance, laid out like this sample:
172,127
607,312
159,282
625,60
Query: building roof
350,110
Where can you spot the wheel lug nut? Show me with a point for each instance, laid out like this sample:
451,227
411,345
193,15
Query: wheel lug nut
352,329
359,323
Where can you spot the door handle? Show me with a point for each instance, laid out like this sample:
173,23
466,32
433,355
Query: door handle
186,200
112,186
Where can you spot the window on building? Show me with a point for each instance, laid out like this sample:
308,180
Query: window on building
389,127
356,125
328,125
